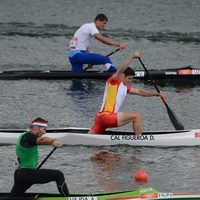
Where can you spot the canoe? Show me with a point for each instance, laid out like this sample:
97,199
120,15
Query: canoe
101,196
79,136
182,73
127,194
160,196
137,194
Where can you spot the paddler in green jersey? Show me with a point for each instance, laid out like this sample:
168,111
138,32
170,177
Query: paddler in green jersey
27,173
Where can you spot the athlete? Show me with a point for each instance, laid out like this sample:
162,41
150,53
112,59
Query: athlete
115,92
27,173
79,45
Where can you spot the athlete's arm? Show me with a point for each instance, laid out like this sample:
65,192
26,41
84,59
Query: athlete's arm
143,92
109,41
125,64
48,141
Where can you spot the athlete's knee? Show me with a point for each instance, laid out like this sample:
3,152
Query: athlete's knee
57,176
112,69
136,116
60,174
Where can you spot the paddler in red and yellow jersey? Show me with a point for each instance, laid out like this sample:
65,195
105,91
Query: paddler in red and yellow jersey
115,92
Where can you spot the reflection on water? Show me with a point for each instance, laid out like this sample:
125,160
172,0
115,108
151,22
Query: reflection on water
84,88
185,83
104,163
104,156
115,170
184,89
78,85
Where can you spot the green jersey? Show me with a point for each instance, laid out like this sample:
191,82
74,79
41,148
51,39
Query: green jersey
27,150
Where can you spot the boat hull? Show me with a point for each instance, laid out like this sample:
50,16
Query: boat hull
102,196
184,73
137,194
79,136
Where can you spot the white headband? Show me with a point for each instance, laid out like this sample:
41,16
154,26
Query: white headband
42,124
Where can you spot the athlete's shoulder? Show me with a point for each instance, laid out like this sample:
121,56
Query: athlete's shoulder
113,81
87,25
28,139
88,28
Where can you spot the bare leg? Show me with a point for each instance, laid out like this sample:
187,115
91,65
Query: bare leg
124,118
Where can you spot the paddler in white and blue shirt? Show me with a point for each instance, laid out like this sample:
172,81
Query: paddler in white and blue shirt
79,46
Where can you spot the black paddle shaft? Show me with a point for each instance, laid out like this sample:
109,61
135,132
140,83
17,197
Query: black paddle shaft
177,124
40,165
90,66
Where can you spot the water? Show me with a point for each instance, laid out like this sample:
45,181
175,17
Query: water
35,34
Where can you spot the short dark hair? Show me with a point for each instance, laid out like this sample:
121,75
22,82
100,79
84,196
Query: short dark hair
101,17
129,72
39,119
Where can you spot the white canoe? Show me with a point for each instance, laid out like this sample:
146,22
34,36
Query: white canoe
79,136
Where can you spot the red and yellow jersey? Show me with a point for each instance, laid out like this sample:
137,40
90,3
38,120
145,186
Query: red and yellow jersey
114,95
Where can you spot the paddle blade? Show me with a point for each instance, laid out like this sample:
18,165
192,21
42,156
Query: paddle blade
177,124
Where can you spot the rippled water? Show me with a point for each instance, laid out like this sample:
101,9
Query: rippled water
34,35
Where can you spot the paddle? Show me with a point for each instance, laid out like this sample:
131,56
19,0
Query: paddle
40,165
177,124
90,66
